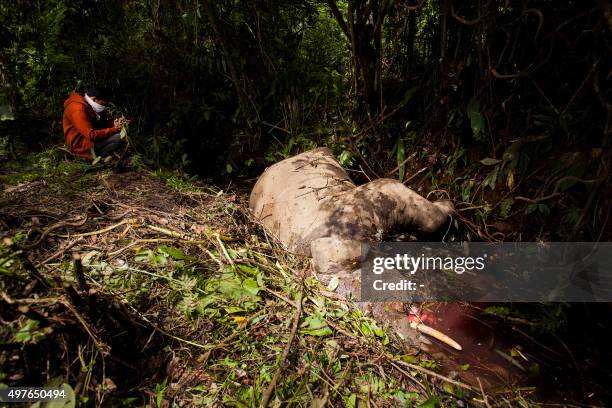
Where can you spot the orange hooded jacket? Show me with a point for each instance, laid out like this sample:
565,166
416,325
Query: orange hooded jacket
79,127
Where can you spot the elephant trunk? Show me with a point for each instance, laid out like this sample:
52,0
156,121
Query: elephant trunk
412,209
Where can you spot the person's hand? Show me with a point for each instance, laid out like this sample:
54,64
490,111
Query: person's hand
121,122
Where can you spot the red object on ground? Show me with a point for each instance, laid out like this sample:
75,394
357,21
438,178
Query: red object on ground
78,125
424,317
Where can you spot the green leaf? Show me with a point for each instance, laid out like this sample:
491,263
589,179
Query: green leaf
27,332
350,401
315,325
160,389
431,402
401,156
346,158
314,321
323,332
249,269
233,288
409,359
378,332
448,388
491,178
174,253
544,209
505,207
250,286
150,257
406,398
531,208
428,364
476,118
333,284
490,161
159,259
260,280
410,93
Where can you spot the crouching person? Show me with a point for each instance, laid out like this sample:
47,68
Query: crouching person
87,128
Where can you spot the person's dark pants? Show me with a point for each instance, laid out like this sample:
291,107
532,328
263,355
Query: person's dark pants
104,147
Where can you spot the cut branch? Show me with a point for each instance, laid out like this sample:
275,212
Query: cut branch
296,320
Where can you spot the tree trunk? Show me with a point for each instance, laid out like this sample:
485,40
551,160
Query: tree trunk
227,53
443,28
10,89
363,28
411,38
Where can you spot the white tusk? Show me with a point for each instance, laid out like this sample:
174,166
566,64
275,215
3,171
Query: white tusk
430,331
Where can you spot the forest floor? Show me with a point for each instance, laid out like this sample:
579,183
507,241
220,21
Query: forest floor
145,288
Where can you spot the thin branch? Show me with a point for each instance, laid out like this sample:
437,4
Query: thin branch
434,374
381,16
100,231
465,21
366,12
556,192
283,360
54,227
505,76
540,15
334,9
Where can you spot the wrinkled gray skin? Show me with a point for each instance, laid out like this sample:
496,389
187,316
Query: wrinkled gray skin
309,203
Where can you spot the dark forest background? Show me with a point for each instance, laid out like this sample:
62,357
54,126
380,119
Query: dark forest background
504,105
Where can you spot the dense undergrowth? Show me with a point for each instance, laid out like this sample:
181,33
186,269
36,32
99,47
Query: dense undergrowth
176,298
503,106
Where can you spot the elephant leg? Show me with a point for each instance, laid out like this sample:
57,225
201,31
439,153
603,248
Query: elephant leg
336,257
340,258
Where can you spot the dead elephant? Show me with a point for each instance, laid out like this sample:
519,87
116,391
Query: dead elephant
309,203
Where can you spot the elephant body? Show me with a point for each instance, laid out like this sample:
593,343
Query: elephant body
310,196
309,203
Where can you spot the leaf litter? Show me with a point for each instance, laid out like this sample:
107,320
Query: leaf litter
184,302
